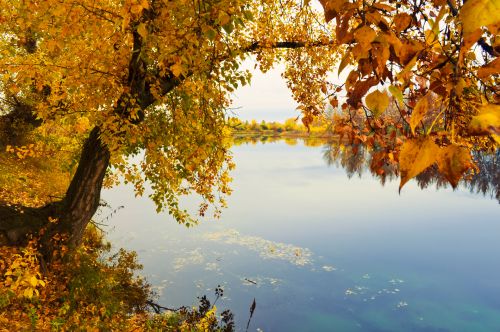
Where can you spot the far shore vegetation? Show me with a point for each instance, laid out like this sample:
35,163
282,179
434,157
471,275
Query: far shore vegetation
293,127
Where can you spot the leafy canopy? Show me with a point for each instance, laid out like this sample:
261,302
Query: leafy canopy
156,78
438,60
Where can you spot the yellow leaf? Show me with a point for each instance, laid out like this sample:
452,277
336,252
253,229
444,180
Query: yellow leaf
28,293
142,30
82,124
487,121
33,281
377,102
176,69
453,161
474,15
418,113
431,38
477,13
416,155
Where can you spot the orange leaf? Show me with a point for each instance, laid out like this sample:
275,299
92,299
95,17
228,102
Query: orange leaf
416,155
402,21
418,113
360,89
364,36
492,68
453,161
331,8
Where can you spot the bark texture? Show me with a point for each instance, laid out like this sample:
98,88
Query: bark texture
73,213
82,198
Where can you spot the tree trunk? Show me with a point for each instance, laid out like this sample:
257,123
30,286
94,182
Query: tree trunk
82,198
73,213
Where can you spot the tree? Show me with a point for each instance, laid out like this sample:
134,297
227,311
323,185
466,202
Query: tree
152,78
439,62
145,78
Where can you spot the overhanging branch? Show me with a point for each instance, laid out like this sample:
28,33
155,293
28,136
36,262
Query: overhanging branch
286,45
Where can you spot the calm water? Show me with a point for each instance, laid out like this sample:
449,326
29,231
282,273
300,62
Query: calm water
322,251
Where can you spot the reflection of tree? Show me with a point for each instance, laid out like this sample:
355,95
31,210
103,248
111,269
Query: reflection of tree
487,181
357,159
352,158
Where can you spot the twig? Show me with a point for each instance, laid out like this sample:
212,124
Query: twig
158,308
252,309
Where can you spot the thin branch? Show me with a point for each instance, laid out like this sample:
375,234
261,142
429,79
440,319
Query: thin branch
286,45
158,308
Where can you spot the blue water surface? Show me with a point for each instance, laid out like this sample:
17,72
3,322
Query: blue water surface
322,251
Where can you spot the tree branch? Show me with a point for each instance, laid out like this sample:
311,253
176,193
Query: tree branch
285,45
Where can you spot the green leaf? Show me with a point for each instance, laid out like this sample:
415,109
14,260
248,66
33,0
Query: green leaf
211,33
229,27
396,93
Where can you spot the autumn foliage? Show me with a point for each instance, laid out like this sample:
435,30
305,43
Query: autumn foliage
89,289
428,72
137,91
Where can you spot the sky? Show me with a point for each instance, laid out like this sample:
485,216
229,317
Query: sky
266,98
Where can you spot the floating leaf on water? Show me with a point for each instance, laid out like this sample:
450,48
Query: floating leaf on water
266,249
328,268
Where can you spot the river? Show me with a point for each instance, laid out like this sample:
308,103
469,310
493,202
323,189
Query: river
324,248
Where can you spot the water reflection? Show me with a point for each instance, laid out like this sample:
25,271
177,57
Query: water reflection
321,252
357,159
